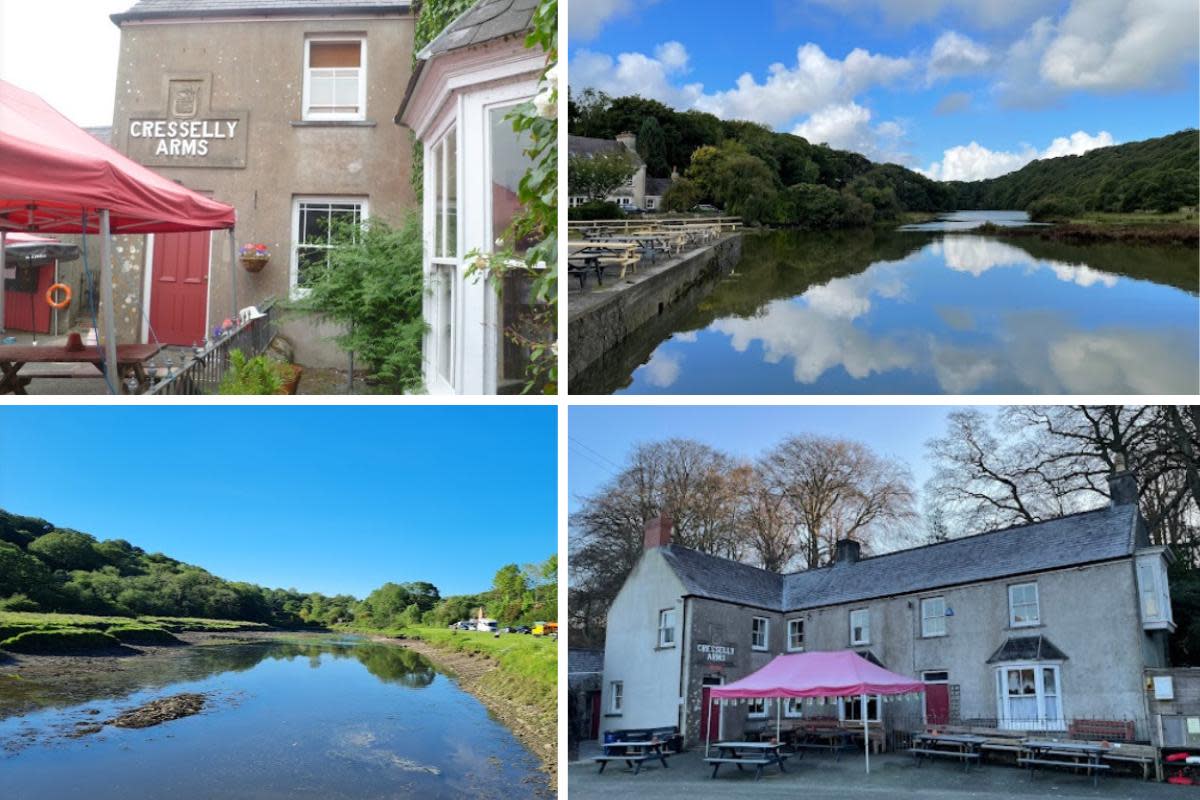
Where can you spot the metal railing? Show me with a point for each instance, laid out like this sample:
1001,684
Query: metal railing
204,373
1076,728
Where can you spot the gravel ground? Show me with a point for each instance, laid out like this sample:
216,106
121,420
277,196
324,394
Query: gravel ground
819,777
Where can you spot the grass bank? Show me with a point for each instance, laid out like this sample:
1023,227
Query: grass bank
31,632
1109,231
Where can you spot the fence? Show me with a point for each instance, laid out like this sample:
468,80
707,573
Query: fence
1112,729
203,375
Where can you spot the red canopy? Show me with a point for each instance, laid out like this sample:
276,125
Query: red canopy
52,172
836,673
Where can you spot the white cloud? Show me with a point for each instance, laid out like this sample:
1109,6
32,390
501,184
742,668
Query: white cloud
588,17
954,54
973,162
953,103
848,127
662,370
1112,45
976,255
983,13
651,77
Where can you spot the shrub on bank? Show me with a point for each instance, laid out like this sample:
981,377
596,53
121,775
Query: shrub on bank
595,209
1054,208
142,634
62,640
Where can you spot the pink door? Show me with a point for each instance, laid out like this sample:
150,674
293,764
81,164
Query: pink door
179,287
937,704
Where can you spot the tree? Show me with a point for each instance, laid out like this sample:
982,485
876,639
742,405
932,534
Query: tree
738,182
509,583
66,549
652,147
599,175
682,195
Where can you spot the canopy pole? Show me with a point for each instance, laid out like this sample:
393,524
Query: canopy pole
233,272
106,297
866,733
3,272
778,719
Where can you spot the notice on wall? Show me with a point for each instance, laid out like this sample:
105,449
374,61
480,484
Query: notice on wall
715,652
188,133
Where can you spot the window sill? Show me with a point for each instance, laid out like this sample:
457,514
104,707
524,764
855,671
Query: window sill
665,647
860,644
1025,627
759,649
934,635
333,123
607,716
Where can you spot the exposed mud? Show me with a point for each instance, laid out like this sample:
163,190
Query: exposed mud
156,712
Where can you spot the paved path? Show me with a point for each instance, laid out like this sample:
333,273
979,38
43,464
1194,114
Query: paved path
818,777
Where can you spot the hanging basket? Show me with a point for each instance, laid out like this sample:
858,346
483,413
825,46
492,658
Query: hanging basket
254,263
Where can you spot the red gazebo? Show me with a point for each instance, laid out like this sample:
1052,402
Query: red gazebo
57,178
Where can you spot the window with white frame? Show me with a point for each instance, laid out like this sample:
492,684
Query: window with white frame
850,709
335,78
616,697
651,203
933,616
756,707
860,626
1154,591
443,280
1023,608
442,201
795,641
666,627
1029,697
320,225
793,707
758,633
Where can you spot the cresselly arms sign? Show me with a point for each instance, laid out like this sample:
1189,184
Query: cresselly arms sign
190,133
715,652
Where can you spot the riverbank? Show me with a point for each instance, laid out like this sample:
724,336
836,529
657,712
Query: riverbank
514,676
1095,232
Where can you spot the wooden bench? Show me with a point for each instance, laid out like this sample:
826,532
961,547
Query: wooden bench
758,762
922,751
1109,730
632,761
1054,762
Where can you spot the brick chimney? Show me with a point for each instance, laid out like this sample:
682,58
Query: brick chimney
846,552
658,532
1122,488
629,140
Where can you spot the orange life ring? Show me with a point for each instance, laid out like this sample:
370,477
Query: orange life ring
58,304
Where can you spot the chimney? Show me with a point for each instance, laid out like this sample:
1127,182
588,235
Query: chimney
674,173
629,140
658,532
1122,488
847,551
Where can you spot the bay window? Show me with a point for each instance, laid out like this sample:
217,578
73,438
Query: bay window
1153,593
444,265
1029,697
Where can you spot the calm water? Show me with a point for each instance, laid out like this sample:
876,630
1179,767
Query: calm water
966,220
920,312
327,721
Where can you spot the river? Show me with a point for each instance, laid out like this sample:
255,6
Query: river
310,719
930,309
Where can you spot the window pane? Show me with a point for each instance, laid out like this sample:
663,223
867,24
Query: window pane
309,262
509,163
445,322
320,90
335,54
439,199
451,205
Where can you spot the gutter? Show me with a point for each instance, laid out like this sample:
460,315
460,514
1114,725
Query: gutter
308,9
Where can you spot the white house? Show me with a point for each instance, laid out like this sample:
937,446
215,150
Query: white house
640,191
466,82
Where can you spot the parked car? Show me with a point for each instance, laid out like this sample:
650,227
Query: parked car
705,208
545,628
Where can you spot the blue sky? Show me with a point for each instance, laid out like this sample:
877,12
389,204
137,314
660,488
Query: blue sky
961,89
601,437
329,499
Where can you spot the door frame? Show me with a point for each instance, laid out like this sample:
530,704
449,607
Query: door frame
946,683
706,735
148,287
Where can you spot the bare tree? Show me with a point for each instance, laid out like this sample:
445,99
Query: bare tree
765,520
838,489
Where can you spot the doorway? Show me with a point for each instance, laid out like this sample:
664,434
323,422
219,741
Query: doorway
937,697
710,717
179,288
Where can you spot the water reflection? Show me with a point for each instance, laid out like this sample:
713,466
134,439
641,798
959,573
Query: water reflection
968,220
907,313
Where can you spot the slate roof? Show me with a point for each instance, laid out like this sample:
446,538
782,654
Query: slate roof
584,660
1027,648
1091,536
588,146
166,9
483,22
657,186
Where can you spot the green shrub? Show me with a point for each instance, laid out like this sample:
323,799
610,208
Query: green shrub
596,209
63,640
142,634
8,631
18,602
1054,208
258,375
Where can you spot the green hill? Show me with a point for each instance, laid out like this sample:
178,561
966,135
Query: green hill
1153,175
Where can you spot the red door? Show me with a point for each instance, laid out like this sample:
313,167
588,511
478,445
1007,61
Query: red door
27,311
595,721
710,717
179,287
937,704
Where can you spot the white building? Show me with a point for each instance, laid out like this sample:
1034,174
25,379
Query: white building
466,82
640,191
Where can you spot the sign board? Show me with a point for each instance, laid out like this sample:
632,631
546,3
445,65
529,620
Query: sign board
188,133
715,652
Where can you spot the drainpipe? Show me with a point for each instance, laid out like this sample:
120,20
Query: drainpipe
685,677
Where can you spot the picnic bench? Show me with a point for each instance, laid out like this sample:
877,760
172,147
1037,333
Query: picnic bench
1072,755
634,754
748,754
965,747
822,734
595,256
130,357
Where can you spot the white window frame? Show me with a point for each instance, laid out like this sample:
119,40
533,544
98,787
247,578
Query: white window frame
866,626
1037,602
297,200
666,615
616,697
651,203
926,633
442,265
793,707
756,708
1153,587
1042,722
766,633
791,635
844,702
308,116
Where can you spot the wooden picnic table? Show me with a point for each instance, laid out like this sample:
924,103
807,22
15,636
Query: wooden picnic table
1074,755
584,256
834,739
619,751
129,356
742,754
965,747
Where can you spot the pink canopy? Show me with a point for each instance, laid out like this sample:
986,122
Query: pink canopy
53,172
836,673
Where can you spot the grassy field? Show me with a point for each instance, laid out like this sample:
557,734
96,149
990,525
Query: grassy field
24,631
1135,218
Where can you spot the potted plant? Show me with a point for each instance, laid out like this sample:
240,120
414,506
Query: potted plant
254,257
260,375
